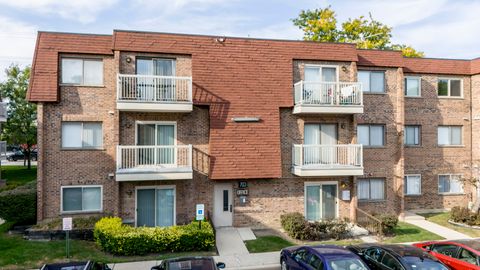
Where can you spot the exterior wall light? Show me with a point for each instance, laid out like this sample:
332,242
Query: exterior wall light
246,119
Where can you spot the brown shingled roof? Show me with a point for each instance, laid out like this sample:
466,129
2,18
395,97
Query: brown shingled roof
43,83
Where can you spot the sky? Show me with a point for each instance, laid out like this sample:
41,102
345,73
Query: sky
440,28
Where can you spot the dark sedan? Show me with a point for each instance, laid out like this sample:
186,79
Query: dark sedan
396,257
325,257
88,265
19,155
189,263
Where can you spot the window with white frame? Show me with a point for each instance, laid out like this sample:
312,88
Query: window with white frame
372,81
86,135
371,135
450,183
412,135
450,87
371,189
413,86
449,135
81,198
413,184
82,71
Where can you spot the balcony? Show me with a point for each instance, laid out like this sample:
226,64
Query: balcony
328,97
3,112
152,162
149,93
327,160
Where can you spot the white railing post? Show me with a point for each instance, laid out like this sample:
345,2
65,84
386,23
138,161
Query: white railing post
190,155
190,91
119,160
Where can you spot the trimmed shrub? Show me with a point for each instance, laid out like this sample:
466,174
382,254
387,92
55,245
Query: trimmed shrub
464,215
297,227
19,205
389,221
114,237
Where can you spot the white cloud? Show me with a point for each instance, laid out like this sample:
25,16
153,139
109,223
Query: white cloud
84,11
170,7
19,43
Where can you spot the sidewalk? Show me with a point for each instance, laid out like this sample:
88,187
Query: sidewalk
442,231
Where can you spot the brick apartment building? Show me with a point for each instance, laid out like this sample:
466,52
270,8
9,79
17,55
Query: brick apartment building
147,125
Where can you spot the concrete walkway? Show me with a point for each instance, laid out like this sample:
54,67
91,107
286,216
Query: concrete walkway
444,232
229,242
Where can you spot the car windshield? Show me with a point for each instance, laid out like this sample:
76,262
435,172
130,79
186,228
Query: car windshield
423,264
347,264
195,264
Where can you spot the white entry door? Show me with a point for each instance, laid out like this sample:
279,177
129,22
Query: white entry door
223,205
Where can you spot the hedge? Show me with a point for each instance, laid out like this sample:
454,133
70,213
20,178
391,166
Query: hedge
297,227
119,239
19,205
464,215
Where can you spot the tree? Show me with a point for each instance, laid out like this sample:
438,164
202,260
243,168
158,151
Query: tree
20,127
367,33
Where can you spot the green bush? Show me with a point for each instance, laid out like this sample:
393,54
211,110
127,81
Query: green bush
389,221
19,205
297,227
463,215
114,237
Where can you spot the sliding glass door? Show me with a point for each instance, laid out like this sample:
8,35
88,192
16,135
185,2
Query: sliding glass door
162,136
317,139
156,88
320,201
156,207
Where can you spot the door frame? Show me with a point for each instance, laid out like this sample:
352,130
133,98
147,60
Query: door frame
320,66
230,186
137,188
320,183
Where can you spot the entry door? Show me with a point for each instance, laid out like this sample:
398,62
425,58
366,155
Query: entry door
223,205
155,207
316,139
156,135
321,201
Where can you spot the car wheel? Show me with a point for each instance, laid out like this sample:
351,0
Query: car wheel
284,264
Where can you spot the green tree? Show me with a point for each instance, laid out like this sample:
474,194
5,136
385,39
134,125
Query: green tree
367,33
21,125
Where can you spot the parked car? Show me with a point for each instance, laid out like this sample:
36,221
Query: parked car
19,155
396,257
189,263
325,257
88,265
458,254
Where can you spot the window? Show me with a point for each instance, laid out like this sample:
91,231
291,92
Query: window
467,256
450,88
390,262
155,206
450,183
81,198
413,86
371,189
86,135
412,135
320,201
449,135
372,81
300,255
413,184
82,71
315,262
445,249
371,135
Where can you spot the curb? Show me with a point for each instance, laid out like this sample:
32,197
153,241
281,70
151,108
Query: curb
253,267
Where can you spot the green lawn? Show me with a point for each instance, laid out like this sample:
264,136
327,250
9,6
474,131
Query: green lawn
405,232
18,175
267,243
17,253
442,219
276,243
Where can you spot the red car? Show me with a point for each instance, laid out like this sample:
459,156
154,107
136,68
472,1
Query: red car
457,254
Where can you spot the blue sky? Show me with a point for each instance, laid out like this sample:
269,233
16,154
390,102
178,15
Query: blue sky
440,28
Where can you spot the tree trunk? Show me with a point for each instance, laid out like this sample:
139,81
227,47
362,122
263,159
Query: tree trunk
29,153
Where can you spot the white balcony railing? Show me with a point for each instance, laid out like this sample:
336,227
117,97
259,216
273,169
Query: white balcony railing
328,93
328,156
134,158
156,89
